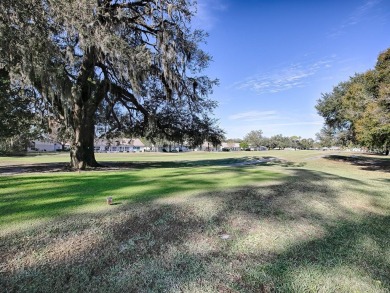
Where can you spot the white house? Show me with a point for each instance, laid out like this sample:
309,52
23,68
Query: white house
260,148
127,145
44,146
207,146
233,146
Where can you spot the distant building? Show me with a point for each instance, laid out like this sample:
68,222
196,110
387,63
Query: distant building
101,145
260,148
44,146
335,148
207,146
232,146
126,145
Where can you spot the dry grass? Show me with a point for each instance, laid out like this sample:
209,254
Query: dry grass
307,224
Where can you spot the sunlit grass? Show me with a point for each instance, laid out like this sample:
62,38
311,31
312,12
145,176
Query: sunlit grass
200,222
43,196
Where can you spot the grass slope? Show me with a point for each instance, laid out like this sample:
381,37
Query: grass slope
198,222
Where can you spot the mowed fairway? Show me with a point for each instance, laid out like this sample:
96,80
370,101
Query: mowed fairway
278,221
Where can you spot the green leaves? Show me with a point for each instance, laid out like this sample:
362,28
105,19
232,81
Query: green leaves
358,109
136,62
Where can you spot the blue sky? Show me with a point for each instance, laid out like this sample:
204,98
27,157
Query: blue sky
275,58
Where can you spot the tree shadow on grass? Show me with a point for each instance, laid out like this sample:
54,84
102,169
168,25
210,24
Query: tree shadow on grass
139,165
292,235
32,197
364,162
351,257
34,168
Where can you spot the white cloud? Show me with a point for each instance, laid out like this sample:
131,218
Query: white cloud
205,17
357,16
254,116
361,12
282,79
296,123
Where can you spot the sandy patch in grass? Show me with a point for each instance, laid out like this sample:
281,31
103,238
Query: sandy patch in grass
202,207
363,204
340,279
271,236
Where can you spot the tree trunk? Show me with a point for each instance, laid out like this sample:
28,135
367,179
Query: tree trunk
82,150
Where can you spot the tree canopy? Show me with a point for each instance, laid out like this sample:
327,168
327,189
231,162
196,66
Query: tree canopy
17,114
130,66
255,139
358,111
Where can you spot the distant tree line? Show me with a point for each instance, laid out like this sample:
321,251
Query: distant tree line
357,111
255,139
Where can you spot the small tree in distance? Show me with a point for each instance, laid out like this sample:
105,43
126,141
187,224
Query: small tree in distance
254,138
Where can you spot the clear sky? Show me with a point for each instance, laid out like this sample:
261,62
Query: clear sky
274,58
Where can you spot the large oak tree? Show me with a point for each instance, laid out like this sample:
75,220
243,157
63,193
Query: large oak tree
137,63
358,111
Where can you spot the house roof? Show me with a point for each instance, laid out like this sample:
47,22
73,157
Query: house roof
135,142
230,145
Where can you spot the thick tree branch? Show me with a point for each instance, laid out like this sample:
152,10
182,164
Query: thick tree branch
121,92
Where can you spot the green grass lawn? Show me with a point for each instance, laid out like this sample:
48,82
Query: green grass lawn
308,221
